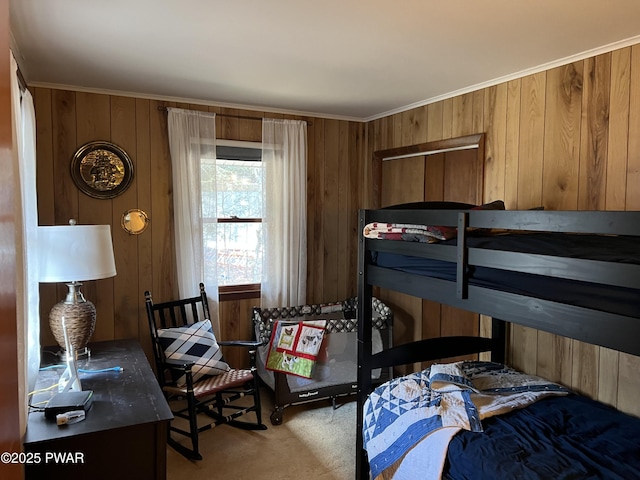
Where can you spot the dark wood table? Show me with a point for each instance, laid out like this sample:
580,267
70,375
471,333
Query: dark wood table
124,433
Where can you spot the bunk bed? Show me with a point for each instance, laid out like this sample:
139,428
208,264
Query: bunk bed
531,268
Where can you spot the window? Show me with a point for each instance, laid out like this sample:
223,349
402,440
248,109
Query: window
232,195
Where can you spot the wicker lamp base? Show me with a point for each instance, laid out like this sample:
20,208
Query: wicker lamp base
80,322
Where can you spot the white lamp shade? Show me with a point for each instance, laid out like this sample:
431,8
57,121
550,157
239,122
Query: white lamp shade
74,253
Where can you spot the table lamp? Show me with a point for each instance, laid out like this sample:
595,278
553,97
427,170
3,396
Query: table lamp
72,254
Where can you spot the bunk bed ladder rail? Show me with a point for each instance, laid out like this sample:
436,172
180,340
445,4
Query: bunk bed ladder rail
364,315
462,287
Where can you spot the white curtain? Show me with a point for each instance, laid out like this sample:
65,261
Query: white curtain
192,135
284,221
28,301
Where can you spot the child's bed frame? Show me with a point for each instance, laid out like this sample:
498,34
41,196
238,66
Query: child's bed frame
593,326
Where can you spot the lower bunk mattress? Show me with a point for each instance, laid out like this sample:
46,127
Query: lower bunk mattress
561,437
482,420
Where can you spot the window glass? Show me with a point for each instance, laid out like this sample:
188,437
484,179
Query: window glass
232,194
239,253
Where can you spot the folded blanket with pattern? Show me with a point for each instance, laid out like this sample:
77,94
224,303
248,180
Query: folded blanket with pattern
419,233
408,232
409,421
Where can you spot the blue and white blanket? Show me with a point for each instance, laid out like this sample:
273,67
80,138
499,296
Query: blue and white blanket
409,421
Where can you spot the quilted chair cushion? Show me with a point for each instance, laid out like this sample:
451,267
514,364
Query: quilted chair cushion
194,344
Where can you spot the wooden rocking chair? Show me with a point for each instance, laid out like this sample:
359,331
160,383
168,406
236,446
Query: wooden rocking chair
193,374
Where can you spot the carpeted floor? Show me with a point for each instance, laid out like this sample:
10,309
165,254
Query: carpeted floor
314,442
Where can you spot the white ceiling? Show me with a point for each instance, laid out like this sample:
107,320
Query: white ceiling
351,59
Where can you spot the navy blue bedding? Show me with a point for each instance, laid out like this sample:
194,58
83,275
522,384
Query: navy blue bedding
569,437
621,300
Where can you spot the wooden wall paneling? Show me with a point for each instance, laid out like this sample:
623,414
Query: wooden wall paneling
44,156
315,234
251,130
608,368
511,174
373,138
396,132
523,348
365,177
495,125
530,159
161,212
374,143
312,203
434,177
585,362
64,146
628,380
531,141
46,196
552,359
389,139
404,125
435,121
454,321
420,124
376,167
594,133
143,241
227,126
462,176
402,181
462,115
512,141
312,199
562,136
561,165
345,213
632,201
628,384
330,208
127,298
447,118
237,326
356,162
477,120
93,113
616,169
431,321
592,189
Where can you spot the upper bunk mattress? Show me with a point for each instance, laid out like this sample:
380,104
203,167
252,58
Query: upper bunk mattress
620,249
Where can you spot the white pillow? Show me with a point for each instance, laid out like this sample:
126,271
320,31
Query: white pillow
193,343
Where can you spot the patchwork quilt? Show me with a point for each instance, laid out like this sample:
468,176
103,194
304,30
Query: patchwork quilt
409,421
294,346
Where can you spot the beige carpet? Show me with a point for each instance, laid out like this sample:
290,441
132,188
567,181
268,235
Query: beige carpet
314,442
